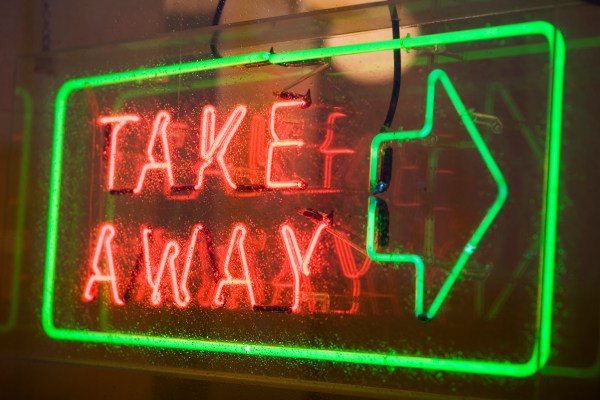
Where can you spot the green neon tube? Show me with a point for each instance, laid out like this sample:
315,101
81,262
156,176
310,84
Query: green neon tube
472,35
481,367
385,359
554,132
514,111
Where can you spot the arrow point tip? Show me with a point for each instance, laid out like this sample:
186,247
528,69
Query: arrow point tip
424,317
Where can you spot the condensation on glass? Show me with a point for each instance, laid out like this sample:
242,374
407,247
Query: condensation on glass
254,199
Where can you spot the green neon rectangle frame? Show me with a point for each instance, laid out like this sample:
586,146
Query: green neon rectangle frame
541,350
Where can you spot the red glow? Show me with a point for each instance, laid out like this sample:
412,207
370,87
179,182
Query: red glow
107,232
297,262
160,128
347,260
234,278
257,155
119,121
349,268
237,237
211,145
330,153
406,174
171,251
180,155
277,143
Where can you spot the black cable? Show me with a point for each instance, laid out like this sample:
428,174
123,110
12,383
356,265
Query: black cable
397,70
385,174
215,21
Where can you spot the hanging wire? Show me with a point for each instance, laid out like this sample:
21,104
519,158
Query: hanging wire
397,70
385,174
215,21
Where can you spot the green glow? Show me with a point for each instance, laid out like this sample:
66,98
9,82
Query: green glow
554,131
21,207
236,79
591,372
161,71
472,35
385,359
507,51
514,111
503,296
482,367
434,77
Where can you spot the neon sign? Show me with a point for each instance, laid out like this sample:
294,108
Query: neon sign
137,261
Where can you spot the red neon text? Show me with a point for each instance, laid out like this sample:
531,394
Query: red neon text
330,153
180,154
237,238
170,253
119,121
167,265
299,263
211,145
107,232
160,128
276,142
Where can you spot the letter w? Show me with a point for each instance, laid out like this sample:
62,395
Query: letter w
170,253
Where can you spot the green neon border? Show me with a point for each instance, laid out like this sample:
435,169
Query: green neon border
541,348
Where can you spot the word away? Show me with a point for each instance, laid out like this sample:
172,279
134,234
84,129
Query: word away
213,148
179,266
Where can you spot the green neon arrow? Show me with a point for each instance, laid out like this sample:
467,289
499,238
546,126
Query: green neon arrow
417,261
